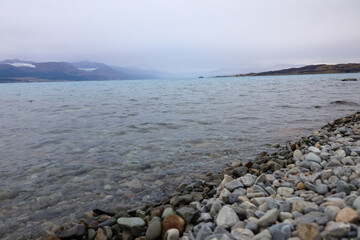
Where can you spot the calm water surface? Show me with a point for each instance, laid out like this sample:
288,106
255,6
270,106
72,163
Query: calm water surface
68,147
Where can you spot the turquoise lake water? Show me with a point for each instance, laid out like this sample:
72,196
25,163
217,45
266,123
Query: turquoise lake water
67,147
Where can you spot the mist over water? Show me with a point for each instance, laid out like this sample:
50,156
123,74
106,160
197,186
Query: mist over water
69,147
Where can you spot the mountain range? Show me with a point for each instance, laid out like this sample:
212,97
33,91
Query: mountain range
17,70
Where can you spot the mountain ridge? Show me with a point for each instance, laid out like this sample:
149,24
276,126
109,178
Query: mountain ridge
308,69
16,70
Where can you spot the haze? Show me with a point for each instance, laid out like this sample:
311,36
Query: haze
184,36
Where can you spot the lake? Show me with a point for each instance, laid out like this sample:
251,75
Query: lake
68,147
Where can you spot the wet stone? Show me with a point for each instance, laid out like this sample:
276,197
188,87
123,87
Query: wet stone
167,211
75,232
108,232
99,211
154,229
91,234
184,199
110,222
100,235
172,221
172,234
134,224
188,213
240,171
131,222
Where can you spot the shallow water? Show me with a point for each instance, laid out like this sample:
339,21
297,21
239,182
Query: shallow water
68,147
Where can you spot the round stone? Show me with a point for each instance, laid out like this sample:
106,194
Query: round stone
172,234
173,221
154,229
300,186
131,222
314,149
167,211
313,157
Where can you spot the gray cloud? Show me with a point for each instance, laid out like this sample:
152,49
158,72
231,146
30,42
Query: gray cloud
182,35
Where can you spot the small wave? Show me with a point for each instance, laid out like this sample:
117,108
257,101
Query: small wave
286,106
40,145
155,98
60,131
204,123
119,133
168,125
248,118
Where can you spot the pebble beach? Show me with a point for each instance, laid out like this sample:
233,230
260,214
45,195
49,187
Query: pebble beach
308,189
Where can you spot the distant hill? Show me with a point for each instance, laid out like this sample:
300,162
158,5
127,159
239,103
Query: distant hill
310,69
17,70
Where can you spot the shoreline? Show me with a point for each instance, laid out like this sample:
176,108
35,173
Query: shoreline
304,190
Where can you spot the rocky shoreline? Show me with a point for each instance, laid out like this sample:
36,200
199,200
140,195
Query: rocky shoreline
305,190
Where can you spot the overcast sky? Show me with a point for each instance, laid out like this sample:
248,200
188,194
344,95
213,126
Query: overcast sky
182,35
